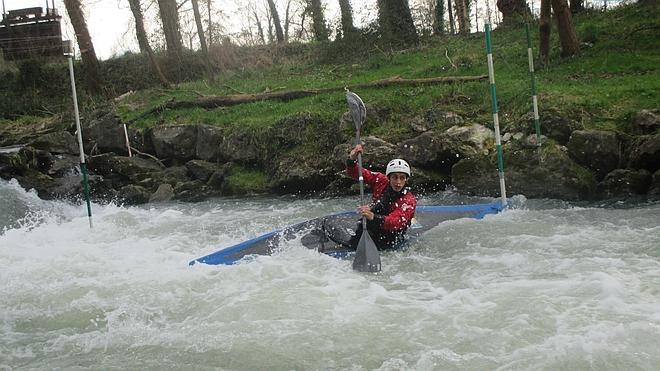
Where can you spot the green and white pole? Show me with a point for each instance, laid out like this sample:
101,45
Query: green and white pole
68,51
535,102
496,119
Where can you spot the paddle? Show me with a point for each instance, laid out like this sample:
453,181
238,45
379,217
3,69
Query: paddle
367,258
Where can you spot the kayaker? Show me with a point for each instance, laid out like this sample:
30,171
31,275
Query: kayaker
393,207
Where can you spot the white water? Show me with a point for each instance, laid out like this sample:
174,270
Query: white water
543,286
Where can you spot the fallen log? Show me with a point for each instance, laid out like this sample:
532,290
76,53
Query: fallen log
287,95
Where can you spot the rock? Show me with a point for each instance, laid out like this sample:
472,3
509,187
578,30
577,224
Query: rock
174,175
377,153
547,172
624,183
57,142
194,191
63,165
298,176
646,122
175,142
654,189
645,153
134,194
106,133
121,170
441,151
209,140
423,181
164,193
554,125
531,141
598,150
200,169
240,147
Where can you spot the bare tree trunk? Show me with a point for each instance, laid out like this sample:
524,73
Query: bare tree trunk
347,26
202,38
287,21
209,30
318,20
577,6
452,26
567,36
396,22
143,41
544,32
463,16
513,11
169,15
439,17
276,21
87,53
476,14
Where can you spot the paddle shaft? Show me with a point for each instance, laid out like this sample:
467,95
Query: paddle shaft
360,178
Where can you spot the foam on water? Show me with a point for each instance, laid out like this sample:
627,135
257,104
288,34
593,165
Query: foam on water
544,286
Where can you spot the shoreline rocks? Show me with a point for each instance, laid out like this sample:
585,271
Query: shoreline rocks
305,154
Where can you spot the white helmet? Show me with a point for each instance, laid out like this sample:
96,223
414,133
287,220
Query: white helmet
398,166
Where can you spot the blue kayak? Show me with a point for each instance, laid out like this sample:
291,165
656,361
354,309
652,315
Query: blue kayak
330,234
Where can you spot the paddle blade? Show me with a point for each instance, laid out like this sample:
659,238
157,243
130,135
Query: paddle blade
357,108
367,258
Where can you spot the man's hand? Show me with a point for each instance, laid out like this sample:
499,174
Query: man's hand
354,152
366,212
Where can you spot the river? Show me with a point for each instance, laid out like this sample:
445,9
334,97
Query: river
545,285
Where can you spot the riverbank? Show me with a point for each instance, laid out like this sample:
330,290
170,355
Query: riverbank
599,125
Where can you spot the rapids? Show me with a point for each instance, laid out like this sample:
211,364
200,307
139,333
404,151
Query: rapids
546,285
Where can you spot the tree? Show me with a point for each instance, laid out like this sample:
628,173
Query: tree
577,6
169,15
87,53
513,11
318,20
439,17
200,33
567,35
544,32
143,41
396,22
347,27
463,16
276,20
452,25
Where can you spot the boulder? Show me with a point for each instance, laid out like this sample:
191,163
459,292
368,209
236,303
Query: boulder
295,175
436,119
654,189
121,170
546,172
598,150
200,169
174,175
645,153
646,122
209,140
174,142
106,134
554,125
164,193
377,153
57,142
240,147
441,151
134,194
624,183
194,191
62,165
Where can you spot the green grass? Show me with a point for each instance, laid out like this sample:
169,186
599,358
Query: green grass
616,75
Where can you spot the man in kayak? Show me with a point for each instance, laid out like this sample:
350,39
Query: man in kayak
393,207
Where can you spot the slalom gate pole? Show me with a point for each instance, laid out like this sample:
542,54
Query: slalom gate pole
535,104
83,165
496,120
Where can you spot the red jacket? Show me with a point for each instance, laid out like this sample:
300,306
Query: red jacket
401,211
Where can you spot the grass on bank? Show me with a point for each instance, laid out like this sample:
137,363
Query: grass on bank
616,75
